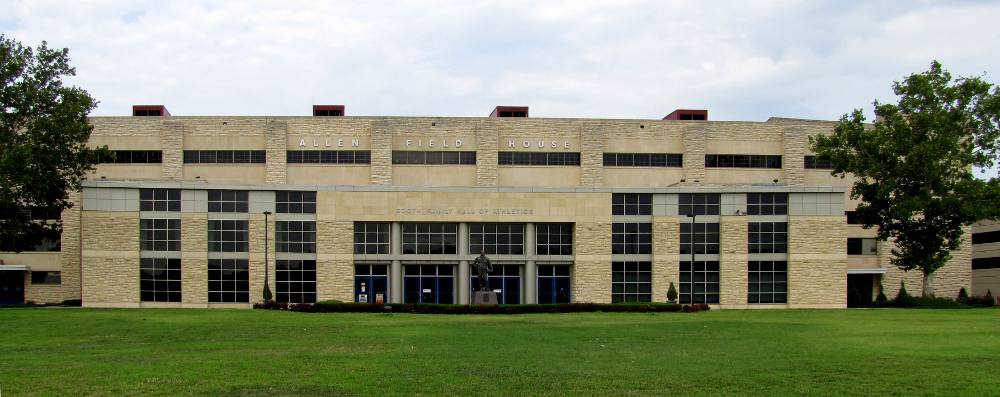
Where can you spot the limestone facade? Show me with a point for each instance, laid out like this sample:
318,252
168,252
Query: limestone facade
100,255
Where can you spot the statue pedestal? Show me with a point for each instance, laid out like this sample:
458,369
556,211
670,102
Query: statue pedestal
484,298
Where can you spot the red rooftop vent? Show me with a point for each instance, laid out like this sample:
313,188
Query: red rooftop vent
510,111
328,110
688,114
149,110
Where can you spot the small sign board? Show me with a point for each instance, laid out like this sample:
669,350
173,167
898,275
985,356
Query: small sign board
379,299
363,298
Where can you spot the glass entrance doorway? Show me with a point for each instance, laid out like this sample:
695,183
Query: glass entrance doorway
11,287
371,284
553,284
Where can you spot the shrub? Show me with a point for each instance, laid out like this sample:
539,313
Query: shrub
962,295
980,301
430,308
881,300
672,293
903,298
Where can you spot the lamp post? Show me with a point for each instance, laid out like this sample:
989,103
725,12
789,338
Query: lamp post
691,265
267,288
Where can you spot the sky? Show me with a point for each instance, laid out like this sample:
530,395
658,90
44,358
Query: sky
741,60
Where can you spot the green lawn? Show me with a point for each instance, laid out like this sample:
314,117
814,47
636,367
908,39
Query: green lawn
71,351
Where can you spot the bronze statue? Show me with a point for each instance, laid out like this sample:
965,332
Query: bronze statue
483,269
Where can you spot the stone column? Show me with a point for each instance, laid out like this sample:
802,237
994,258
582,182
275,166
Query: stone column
487,172
172,145
796,141
277,142
530,268
592,269
71,253
381,165
463,265
592,155
694,153
396,269
666,255
733,241
194,258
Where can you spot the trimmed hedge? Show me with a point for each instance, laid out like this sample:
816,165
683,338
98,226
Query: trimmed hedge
430,308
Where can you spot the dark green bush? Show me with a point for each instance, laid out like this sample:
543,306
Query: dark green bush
903,298
962,295
430,308
672,293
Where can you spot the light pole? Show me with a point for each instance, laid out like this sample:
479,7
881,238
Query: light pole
691,267
267,288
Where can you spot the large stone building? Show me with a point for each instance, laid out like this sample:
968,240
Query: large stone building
393,209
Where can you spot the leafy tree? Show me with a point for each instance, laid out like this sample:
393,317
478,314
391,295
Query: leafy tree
912,167
43,136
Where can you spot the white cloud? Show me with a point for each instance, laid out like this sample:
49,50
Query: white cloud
641,59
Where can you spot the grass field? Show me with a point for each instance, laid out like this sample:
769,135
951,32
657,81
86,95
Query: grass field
72,351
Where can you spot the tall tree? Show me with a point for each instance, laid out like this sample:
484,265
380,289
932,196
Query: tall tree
913,167
43,136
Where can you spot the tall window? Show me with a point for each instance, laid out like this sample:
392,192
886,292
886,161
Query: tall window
506,279
228,280
631,238
328,157
631,282
554,284
643,160
160,280
371,237
160,200
705,237
767,237
698,203
631,204
742,161
371,283
228,236
296,281
428,284
295,236
430,238
767,203
291,202
420,157
160,234
224,157
228,200
496,238
767,282
554,239
538,158
699,284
